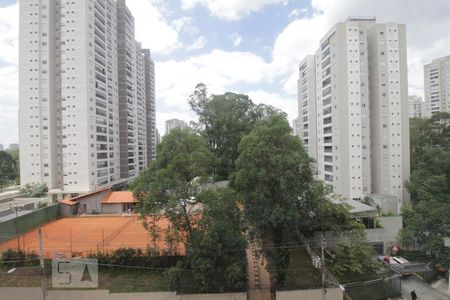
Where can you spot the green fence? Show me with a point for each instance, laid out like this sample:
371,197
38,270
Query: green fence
27,222
379,289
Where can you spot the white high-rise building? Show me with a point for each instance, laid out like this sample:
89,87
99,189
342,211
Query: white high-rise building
361,108
417,108
150,105
295,126
174,123
69,94
307,125
437,85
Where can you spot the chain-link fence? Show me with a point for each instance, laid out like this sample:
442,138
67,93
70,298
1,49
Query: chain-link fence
24,223
378,289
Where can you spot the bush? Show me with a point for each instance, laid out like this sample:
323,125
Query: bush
136,257
41,204
34,190
17,258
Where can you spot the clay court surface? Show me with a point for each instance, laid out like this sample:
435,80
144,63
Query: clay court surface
81,235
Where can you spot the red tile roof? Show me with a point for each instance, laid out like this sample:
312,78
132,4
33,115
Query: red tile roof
67,202
119,197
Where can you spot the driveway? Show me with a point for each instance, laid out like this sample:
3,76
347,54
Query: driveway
423,290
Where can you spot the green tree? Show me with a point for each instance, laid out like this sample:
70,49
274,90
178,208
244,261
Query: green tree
8,168
215,257
34,190
353,255
15,155
225,119
427,220
427,223
173,181
275,180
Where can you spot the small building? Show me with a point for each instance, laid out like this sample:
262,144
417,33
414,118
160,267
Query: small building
102,201
118,202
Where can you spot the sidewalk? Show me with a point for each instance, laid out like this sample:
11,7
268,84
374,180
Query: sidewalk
441,285
258,277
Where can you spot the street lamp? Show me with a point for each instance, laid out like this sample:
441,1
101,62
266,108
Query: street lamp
16,209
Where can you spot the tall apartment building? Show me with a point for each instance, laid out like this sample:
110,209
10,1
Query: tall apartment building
437,85
306,84
417,108
150,105
69,94
175,123
361,117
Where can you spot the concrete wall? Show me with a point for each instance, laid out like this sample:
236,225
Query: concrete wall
116,209
386,235
35,294
332,294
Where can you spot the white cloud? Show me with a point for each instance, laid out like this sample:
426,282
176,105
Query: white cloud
288,104
184,24
9,29
230,9
9,50
152,30
9,104
236,38
199,43
218,69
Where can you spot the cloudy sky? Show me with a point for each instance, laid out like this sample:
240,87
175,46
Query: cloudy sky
246,46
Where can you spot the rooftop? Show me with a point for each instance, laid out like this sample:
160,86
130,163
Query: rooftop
119,197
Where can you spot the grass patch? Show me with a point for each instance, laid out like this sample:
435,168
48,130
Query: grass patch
122,280
116,280
302,275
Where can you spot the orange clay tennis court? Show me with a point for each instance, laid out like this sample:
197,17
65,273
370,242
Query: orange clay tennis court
80,235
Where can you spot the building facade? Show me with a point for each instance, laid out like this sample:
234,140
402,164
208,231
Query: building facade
174,123
417,108
69,94
307,125
437,85
150,103
359,108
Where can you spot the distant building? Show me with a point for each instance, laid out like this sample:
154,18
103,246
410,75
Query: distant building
158,137
417,107
174,123
353,108
13,147
295,126
437,85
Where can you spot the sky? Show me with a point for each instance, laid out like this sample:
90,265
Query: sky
243,46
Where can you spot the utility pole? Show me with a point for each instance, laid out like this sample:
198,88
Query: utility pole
41,253
322,265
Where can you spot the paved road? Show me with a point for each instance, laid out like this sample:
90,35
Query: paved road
423,290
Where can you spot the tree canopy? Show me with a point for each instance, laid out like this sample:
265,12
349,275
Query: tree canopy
8,168
173,181
280,197
427,220
225,120
215,257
